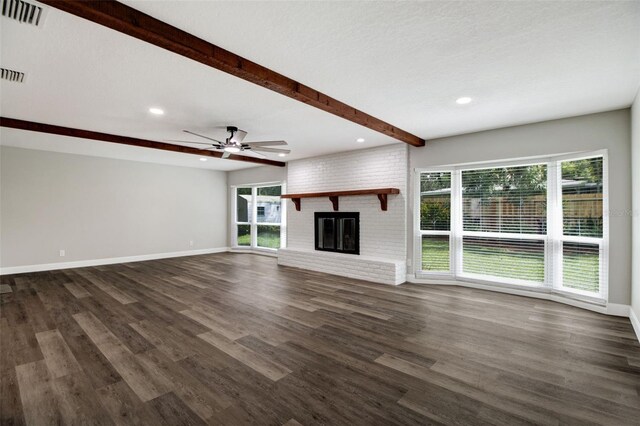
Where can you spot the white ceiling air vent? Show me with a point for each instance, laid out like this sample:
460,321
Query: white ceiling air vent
22,11
11,75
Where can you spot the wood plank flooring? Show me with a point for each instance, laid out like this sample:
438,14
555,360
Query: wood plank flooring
234,339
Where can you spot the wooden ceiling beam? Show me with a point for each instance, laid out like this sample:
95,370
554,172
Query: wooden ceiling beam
125,140
134,23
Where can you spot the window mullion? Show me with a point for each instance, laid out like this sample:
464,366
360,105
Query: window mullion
554,225
505,235
435,233
604,246
283,217
234,212
254,217
456,222
558,228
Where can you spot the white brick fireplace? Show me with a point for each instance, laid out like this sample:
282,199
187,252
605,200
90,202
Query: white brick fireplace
383,243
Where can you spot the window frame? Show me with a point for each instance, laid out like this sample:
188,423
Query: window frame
253,217
553,238
603,243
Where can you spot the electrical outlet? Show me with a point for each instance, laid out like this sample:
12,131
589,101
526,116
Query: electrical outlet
190,243
62,253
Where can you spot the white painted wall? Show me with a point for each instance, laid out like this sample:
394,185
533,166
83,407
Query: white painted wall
383,234
610,130
97,208
635,184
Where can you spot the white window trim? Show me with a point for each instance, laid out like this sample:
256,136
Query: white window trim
553,274
253,223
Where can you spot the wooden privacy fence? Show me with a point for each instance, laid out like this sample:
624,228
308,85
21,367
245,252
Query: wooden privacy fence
574,206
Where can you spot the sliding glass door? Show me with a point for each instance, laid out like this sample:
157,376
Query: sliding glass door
244,208
258,217
268,215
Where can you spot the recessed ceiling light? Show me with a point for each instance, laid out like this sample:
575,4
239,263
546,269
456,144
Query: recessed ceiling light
360,140
203,159
282,154
463,100
156,111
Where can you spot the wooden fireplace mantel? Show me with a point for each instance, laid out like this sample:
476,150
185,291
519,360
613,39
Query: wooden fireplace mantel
382,194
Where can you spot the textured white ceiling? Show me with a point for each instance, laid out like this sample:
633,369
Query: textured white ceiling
86,76
403,62
407,62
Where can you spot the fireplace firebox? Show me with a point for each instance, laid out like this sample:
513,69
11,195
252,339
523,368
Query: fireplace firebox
338,232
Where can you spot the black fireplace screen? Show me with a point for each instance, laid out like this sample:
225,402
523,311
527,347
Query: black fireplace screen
339,232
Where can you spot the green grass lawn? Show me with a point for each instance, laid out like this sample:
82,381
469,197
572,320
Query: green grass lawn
580,271
268,238
435,254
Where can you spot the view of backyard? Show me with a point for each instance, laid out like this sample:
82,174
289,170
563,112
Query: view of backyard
513,200
259,205
268,236
581,270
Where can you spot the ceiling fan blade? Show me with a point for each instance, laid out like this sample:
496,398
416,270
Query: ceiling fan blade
226,154
249,153
199,143
266,143
202,136
265,149
239,136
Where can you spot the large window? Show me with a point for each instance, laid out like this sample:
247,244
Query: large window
504,218
258,217
435,221
582,223
538,223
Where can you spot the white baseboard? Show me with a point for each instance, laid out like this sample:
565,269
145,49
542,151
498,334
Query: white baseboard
106,261
618,310
635,322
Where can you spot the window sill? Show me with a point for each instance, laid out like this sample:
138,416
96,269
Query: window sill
255,250
594,303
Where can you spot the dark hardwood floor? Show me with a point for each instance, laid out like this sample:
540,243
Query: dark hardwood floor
234,339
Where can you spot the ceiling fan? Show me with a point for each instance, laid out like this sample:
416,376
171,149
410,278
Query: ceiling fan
234,145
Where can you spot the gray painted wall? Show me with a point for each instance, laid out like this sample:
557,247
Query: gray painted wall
635,161
96,208
610,130
262,174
